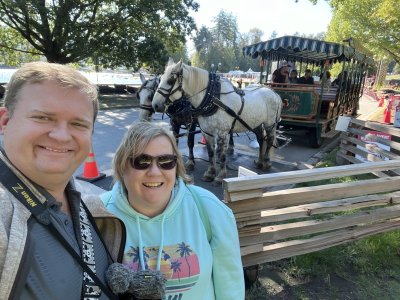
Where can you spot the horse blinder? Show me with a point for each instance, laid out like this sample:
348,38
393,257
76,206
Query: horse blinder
167,93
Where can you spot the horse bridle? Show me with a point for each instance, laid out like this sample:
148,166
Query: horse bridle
152,89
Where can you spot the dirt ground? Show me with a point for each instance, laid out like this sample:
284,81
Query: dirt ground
274,284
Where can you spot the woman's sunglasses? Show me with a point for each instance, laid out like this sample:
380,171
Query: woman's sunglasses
143,161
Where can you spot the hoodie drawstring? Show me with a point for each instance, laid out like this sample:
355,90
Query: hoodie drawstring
140,244
160,249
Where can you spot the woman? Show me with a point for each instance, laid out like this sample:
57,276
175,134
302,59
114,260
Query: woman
281,75
180,229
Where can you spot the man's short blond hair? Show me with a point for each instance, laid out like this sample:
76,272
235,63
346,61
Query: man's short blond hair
38,72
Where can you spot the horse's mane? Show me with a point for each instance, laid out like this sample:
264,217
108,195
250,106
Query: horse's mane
197,77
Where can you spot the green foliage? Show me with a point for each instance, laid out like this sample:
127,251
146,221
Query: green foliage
112,33
14,50
373,255
218,45
373,25
397,68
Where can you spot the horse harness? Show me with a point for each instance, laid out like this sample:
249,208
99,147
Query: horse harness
208,106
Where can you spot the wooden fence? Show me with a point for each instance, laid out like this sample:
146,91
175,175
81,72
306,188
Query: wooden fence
369,141
296,220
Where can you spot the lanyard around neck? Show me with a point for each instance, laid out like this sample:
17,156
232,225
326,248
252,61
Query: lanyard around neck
35,202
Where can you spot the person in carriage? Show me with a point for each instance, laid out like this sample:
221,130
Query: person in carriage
306,78
281,75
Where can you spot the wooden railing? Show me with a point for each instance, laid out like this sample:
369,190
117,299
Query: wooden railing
276,219
369,141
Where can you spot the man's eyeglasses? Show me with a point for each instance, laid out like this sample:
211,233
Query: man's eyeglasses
143,161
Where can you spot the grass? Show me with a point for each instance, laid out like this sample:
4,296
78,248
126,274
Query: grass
394,76
365,269
114,101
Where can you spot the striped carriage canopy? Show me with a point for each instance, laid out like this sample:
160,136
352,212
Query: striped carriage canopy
294,48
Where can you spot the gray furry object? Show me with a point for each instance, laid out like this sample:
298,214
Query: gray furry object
117,276
145,284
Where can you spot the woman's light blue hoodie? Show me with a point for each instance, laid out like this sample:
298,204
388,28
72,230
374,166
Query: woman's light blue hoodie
175,242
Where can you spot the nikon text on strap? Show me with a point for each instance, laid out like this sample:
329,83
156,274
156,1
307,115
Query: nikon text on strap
34,201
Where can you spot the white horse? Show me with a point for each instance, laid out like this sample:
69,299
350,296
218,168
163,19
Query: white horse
145,95
221,111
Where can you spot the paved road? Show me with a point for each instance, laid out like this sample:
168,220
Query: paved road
112,124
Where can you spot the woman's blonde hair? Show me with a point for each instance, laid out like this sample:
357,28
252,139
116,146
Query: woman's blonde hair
38,72
136,139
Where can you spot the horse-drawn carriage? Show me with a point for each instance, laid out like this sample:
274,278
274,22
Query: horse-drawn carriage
314,108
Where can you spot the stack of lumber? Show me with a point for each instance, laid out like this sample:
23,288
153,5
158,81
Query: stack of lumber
296,220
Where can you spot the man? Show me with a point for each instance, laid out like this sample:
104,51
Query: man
307,78
281,75
47,123
293,76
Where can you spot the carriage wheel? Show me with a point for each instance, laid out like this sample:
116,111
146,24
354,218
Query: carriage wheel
315,139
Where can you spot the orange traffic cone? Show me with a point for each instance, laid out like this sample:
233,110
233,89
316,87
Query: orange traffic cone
90,171
380,104
388,113
203,140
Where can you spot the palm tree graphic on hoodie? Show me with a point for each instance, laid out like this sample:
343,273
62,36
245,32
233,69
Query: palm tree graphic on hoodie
184,251
136,257
176,267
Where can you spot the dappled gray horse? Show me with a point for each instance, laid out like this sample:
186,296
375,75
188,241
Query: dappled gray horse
221,110
145,95
177,120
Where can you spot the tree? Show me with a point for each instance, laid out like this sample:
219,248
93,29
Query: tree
112,33
15,50
252,37
218,45
373,25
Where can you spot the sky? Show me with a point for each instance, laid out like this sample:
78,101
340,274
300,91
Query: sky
284,16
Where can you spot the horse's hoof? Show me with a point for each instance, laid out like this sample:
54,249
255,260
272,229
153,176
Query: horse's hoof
266,166
207,178
189,166
258,165
216,183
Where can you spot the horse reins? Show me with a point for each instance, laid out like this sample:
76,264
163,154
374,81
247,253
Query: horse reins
210,103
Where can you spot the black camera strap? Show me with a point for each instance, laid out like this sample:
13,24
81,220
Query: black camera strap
34,201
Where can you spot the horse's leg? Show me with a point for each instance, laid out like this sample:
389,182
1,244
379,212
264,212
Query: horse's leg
231,145
222,147
175,129
189,165
209,175
259,131
270,140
